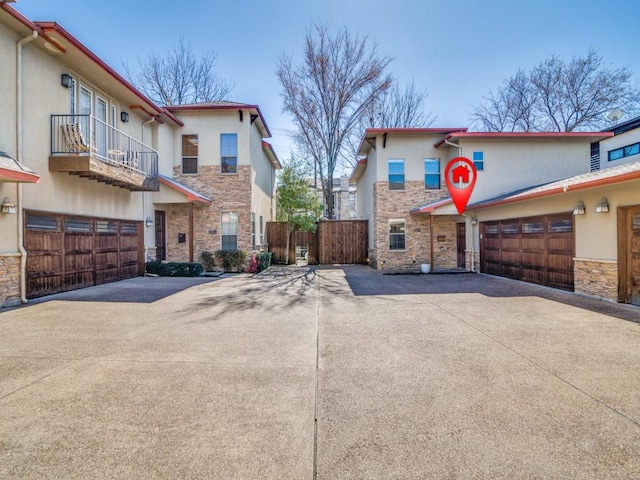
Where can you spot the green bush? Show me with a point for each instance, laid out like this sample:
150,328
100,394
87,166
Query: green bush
231,260
175,269
259,261
209,261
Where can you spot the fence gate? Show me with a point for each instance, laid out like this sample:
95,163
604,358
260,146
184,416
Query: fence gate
334,242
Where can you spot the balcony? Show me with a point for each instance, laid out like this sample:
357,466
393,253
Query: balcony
86,146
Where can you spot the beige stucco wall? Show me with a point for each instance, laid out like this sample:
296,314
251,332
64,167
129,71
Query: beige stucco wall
512,164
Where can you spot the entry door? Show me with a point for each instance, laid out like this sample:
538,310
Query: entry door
461,242
161,236
633,255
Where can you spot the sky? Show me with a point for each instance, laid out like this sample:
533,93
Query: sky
456,50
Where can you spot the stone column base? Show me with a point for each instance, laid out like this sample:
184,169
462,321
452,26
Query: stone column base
9,279
596,277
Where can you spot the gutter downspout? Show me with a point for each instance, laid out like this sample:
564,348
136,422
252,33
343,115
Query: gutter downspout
19,156
473,235
144,211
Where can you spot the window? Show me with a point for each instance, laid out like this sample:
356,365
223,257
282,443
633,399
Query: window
510,228
189,154
261,230
622,152
559,226
396,174
229,152
396,234
532,227
229,231
478,161
432,173
253,231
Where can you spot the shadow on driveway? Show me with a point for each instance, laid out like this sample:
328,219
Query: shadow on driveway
364,280
133,290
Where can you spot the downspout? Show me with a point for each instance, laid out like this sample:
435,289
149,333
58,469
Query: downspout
19,156
473,236
144,196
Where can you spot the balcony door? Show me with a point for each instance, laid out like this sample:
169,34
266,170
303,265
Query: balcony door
101,126
86,101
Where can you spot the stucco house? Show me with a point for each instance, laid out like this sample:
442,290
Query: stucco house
596,214
404,196
96,179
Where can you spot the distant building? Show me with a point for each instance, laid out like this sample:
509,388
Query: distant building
344,198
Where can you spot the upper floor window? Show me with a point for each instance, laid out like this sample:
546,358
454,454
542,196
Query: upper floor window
478,160
622,152
396,174
229,152
189,154
432,173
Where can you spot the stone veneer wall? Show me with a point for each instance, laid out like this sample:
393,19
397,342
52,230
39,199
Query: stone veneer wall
9,280
469,260
596,277
396,204
229,192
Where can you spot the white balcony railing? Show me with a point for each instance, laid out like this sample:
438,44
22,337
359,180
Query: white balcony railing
87,135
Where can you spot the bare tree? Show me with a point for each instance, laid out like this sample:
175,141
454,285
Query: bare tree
559,96
328,94
178,77
396,108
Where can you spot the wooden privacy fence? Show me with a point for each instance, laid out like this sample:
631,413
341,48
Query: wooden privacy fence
334,242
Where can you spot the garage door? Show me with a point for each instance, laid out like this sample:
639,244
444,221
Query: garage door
534,249
69,252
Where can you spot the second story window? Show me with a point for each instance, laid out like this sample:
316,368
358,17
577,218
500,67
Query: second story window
229,152
478,161
432,174
627,151
189,154
396,174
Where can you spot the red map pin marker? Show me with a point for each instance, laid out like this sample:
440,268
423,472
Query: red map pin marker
460,175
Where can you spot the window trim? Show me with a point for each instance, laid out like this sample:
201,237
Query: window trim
398,161
403,234
222,230
437,162
223,156
478,162
623,151
184,157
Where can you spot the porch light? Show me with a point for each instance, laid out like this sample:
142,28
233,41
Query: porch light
603,206
579,209
149,222
7,206
474,221
124,116
66,80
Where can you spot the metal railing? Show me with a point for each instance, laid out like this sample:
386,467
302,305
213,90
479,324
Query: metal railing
87,135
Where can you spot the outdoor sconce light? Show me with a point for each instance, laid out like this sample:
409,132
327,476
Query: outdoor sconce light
579,208
124,116
149,222
603,206
7,206
474,221
66,80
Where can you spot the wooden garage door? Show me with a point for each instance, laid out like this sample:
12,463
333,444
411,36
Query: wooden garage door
70,252
534,249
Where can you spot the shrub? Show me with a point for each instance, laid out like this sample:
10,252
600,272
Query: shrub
209,261
231,260
175,269
259,261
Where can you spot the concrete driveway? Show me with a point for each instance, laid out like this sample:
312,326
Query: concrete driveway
465,376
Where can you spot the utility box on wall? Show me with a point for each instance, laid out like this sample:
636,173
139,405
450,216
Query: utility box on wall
182,238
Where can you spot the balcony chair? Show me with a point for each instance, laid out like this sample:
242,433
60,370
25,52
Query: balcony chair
74,139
